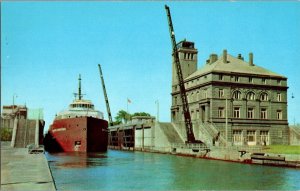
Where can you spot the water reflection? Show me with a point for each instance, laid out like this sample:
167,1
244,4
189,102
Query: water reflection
116,170
78,160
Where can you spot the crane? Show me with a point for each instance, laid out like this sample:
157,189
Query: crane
105,97
185,106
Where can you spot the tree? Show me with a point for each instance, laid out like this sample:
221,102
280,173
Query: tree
141,114
122,116
6,134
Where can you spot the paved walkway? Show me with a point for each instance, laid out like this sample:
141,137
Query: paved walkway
23,171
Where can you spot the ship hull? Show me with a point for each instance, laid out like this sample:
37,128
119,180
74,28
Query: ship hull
80,134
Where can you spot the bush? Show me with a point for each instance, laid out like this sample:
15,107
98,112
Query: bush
6,134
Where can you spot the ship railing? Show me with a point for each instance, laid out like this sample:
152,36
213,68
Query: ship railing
247,148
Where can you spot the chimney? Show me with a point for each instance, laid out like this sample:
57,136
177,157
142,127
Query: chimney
213,58
225,56
240,57
251,59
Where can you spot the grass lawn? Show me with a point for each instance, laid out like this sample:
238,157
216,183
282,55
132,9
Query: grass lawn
282,149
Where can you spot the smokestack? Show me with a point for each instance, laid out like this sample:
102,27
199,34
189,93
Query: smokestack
213,58
225,56
251,59
240,57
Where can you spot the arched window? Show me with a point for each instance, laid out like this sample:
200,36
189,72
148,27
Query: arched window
264,97
237,95
250,96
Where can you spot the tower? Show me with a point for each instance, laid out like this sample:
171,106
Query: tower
187,58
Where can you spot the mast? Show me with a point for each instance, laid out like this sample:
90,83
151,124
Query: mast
105,97
79,88
185,105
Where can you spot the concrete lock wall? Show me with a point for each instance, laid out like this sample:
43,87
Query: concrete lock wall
161,141
143,138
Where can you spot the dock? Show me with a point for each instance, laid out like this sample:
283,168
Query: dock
23,171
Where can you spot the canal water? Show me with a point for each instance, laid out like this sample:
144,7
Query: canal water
122,170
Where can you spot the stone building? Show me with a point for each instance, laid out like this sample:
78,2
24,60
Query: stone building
9,112
242,103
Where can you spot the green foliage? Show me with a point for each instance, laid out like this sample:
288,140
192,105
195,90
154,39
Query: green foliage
6,134
141,114
122,116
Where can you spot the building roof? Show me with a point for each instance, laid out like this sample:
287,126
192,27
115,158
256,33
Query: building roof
233,65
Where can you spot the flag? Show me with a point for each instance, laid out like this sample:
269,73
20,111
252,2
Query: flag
128,100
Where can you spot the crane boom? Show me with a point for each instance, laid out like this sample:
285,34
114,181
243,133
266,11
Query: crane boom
185,106
105,97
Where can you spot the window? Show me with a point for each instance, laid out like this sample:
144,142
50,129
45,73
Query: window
278,82
236,112
221,93
278,96
250,96
175,100
192,56
279,114
264,97
250,113
264,80
251,136
237,95
263,113
221,77
250,80
236,79
221,112
184,55
264,137
237,137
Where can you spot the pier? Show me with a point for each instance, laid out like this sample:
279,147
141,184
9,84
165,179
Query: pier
23,171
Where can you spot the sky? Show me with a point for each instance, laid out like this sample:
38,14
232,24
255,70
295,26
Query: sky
46,45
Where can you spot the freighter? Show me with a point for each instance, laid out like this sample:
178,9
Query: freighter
80,128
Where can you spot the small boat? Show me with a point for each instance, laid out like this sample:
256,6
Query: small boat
80,128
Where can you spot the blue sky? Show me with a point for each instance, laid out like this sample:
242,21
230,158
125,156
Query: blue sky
46,45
